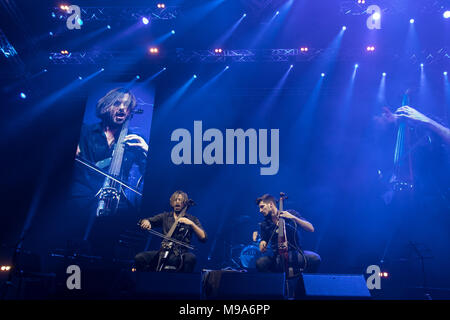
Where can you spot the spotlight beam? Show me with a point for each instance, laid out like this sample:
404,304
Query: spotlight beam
24,120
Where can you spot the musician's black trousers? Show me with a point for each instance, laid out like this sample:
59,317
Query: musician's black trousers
148,261
272,264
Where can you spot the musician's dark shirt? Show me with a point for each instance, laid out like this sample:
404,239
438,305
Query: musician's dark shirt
94,147
166,220
269,232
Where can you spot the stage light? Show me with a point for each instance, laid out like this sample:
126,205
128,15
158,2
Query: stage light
384,74
102,69
80,78
64,7
50,33
23,95
361,1
45,70
304,49
344,28
227,67
161,5
385,274
108,26
370,48
322,74
64,52
138,77
356,66
411,21
291,66
277,13
445,73
421,65
145,20
244,15
218,50
194,76
173,31
153,50
164,68
446,14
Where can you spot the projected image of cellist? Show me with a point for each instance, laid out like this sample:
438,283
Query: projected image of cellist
109,147
111,158
421,153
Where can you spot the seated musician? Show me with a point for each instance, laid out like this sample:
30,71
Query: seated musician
179,257
306,261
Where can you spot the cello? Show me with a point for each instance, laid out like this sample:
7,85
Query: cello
111,191
283,246
402,175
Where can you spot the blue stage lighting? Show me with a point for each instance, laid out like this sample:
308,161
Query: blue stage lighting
227,67
244,15
322,74
173,31
195,76
384,74
292,65
344,28
411,21
277,13
356,66
23,95
421,65
108,26
102,69
50,33
446,14
45,70
138,77
445,73
145,20
80,78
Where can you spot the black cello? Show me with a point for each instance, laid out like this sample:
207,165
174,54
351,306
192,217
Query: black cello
110,193
283,246
402,176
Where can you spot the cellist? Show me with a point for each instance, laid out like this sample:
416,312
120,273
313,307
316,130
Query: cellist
308,261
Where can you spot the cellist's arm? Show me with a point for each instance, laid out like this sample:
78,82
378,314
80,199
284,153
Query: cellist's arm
198,231
306,225
419,119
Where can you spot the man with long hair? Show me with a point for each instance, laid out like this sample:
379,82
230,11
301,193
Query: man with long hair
98,140
180,259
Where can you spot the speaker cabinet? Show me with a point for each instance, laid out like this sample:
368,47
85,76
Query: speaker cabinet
224,284
332,286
